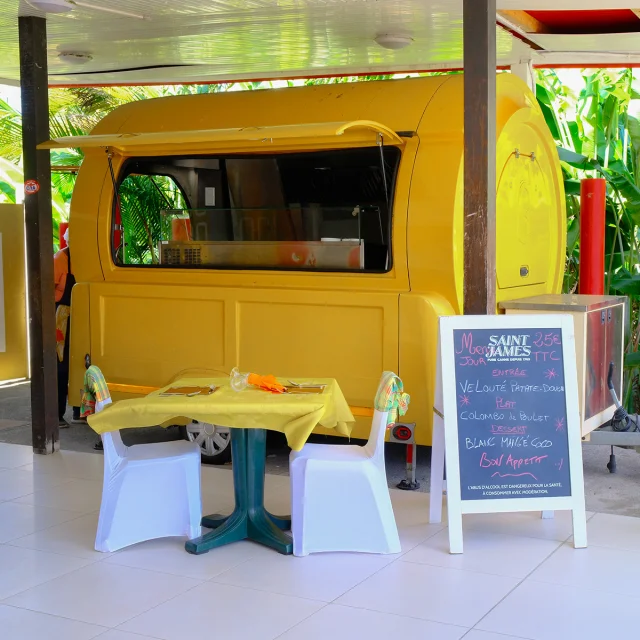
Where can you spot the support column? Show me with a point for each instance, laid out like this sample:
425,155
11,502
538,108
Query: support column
479,156
39,233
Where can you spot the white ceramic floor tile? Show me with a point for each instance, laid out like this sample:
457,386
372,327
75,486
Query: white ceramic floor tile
83,496
411,507
74,538
345,623
102,593
431,593
277,480
619,532
277,499
415,497
69,464
22,569
169,556
20,624
216,503
227,612
527,523
221,477
15,483
542,611
115,634
320,576
513,556
474,634
216,480
411,511
600,568
15,455
218,496
18,520
155,588
412,535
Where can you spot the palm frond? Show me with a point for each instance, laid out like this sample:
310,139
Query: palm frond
142,199
67,157
10,133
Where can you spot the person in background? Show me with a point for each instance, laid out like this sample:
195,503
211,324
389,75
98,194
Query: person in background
64,281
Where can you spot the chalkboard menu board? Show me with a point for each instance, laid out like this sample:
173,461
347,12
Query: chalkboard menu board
511,413
506,420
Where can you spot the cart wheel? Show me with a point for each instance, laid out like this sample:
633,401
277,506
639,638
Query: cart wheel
214,441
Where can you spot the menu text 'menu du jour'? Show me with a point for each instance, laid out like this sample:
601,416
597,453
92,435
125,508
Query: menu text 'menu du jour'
539,347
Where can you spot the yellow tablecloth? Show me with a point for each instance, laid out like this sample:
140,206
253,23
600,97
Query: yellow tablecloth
295,415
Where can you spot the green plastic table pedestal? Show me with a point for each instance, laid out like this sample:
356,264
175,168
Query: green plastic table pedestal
249,520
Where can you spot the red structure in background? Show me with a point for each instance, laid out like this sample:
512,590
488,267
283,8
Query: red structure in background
589,20
63,227
593,193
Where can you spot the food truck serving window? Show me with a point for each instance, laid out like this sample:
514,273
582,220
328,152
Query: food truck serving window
322,211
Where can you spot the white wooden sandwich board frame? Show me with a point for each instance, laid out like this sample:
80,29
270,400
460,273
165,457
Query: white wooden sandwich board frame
445,431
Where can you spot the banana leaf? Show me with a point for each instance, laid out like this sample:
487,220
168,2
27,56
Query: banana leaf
572,187
7,192
626,283
632,360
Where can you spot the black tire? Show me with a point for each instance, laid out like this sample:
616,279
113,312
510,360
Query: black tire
221,457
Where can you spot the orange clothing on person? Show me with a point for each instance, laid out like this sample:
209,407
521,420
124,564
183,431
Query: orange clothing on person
60,272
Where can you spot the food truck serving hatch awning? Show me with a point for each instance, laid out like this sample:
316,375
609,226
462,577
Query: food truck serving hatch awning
357,133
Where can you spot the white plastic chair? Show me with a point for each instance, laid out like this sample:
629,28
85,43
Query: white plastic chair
150,491
339,496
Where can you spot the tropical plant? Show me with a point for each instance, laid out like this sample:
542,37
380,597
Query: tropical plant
74,112
11,188
10,176
143,199
597,136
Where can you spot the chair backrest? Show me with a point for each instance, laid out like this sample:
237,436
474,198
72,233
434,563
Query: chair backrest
375,444
115,450
389,402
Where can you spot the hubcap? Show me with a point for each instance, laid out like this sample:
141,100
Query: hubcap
211,439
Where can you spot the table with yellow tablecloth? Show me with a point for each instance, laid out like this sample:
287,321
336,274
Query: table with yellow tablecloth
248,413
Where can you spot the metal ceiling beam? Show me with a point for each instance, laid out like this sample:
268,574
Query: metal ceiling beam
479,33
39,233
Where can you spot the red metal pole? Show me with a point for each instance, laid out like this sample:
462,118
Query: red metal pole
63,227
593,192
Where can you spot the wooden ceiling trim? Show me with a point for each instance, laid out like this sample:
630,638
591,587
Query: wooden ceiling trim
522,20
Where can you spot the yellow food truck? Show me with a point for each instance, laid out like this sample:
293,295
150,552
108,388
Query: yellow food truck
314,231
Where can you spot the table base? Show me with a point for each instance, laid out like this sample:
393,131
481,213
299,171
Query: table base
249,520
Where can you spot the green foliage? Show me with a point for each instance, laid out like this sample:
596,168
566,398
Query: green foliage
73,112
10,133
142,199
10,177
598,137
7,192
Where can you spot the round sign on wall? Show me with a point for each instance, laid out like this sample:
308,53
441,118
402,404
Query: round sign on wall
31,187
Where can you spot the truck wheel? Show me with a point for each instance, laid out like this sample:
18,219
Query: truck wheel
214,441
